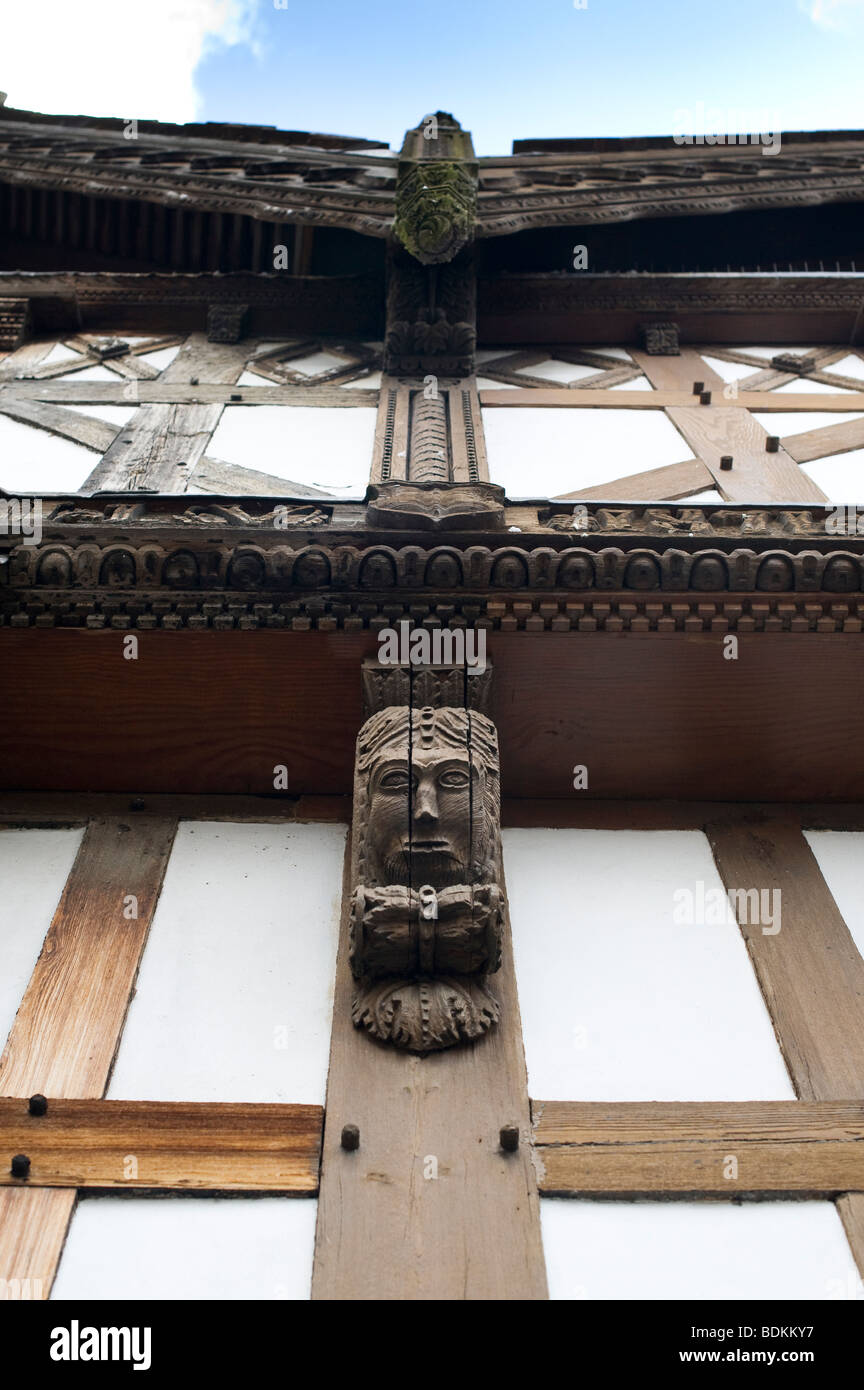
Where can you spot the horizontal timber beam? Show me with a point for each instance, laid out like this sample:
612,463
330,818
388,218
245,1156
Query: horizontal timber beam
719,1149
179,393
175,1145
539,397
33,809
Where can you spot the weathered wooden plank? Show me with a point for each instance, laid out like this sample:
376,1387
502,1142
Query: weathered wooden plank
850,1208
161,445
836,379
388,1227
212,475
24,360
667,484
829,439
755,475
810,972
218,1147
728,354
554,397
717,1149
216,362
66,1032
162,392
33,1226
157,450
813,983
132,368
678,373
615,376
66,424
769,381
769,378
67,1029
605,1124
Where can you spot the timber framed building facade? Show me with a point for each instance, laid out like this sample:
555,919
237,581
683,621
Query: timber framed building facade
268,395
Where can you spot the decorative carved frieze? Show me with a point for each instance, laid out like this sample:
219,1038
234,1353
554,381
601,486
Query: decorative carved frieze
685,521
148,564
583,614
427,906
210,513
476,506
566,292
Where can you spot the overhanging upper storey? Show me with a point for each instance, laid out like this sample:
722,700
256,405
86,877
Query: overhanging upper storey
53,167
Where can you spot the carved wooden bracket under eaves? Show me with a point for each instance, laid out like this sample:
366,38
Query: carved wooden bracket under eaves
431,283
427,900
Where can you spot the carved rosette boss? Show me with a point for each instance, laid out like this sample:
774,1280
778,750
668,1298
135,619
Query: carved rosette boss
427,905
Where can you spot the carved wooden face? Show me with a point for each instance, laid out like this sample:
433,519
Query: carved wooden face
443,813
426,813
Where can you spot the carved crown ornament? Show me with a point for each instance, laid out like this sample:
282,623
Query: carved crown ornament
427,902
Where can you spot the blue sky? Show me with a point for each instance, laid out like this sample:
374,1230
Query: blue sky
515,68
505,68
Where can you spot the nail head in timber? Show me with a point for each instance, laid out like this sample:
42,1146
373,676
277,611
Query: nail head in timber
509,1138
350,1138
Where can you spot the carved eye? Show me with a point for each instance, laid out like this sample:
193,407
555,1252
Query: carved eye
395,781
455,778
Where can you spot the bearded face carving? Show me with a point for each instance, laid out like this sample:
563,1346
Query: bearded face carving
427,907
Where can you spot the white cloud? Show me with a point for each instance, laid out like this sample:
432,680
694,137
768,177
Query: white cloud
115,57
838,15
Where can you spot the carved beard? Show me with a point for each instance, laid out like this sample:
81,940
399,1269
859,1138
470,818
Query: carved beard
439,867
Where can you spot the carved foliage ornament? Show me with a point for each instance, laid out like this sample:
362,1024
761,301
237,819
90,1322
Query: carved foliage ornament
427,905
435,207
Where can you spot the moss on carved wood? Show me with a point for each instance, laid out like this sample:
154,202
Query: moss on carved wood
435,208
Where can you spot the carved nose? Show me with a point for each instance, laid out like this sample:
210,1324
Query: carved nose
426,803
